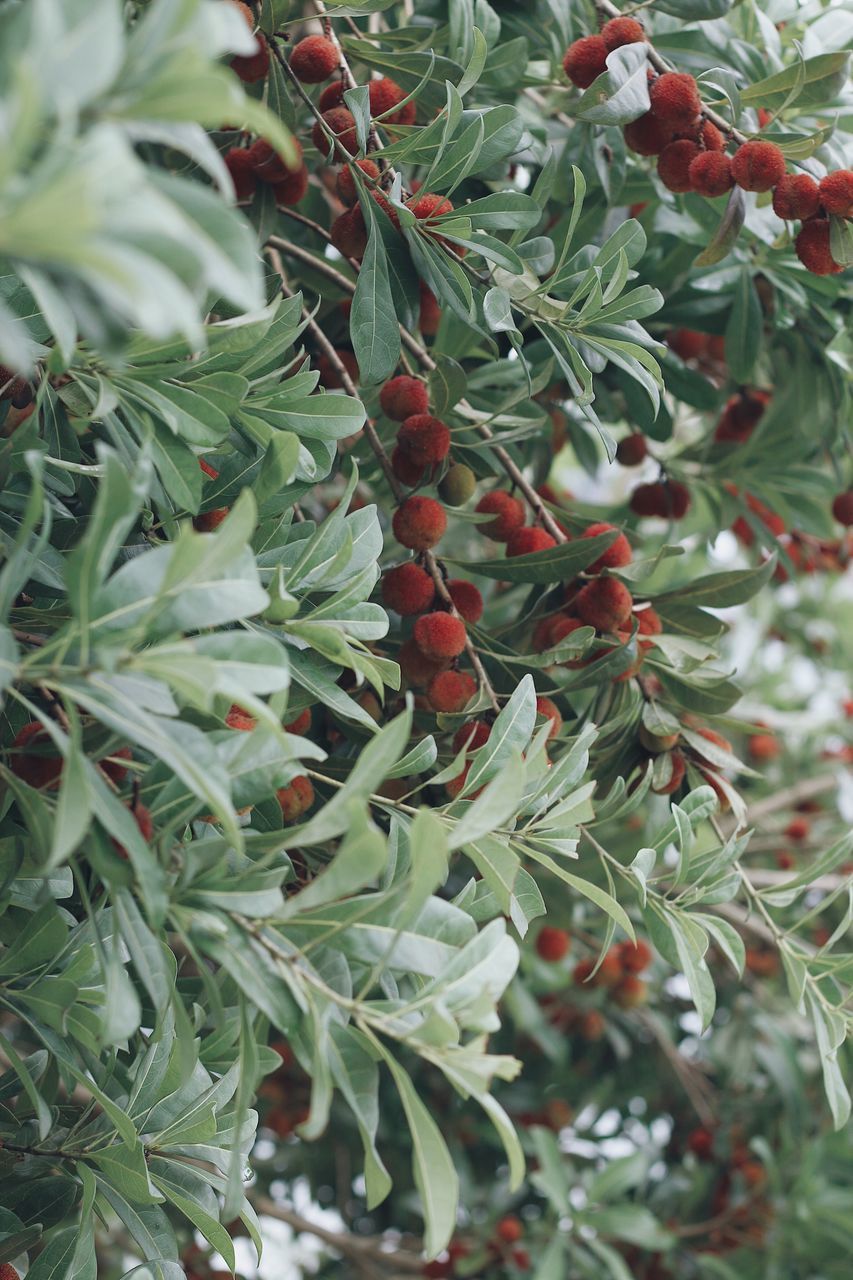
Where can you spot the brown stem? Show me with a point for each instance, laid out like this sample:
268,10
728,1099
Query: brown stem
363,1248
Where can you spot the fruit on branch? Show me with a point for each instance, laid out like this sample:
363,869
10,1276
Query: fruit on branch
237,718
428,205
648,624
417,669
419,523
741,416
301,724
701,1143
630,992
341,123
110,766
842,507
457,485
348,233
813,248
291,189
271,167
424,439
405,469
758,166
330,374
836,193
674,164
669,499
144,821
773,523
796,196
620,31
556,630
238,162
798,828
346,188
429,314
688,344
617,554
647,135
634,956
674,98
510,1230
471,736
548,708
254,66
296,798
763,746
507,510
466,599
403,396
449,692
585,60
440,635
408,589
314,60
385,95
632,449
710,174
331,96
678,768
207,521
526,541
36,770
706,134
604,603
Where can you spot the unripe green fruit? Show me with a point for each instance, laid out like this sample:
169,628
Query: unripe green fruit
458,485
657,743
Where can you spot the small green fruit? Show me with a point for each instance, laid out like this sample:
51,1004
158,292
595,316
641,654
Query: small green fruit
458,485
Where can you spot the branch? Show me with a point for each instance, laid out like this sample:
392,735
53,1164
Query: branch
359,1248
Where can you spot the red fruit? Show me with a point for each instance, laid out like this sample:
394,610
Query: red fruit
471,736
604,603
785,860
648,135
510,1230
330,374
797,196
408,589
238,162
346,188
429,315
296,798
292,189
207,521
416,667
674,164
8,1272
332,96
701,1143
674,97
428,205
424,439
630,992
526,541
686,343
40,770
301,724
619,31
671,500
763,746
401,397
798,829
341,123
635,956
508,513
711,735
706,134
348,233
740,416
836,193
437,1270
440,635
758,166
237,718
407,471
812,246
451,691
632,450
552,944
143,819
842,507
545,707
314,59
269,166
385,95
419,523
676,777
648,622
591,1026
559,628
616,555
710,174
466,598
585,60
254,66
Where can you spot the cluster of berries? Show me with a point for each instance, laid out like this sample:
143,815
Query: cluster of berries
298,796
667,498
508,525
503,1248
261,163
672,755
475,734
617,974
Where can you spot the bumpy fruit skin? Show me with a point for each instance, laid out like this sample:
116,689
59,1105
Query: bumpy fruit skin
8,1272
291,189
549,709
674,164
348,233
585,60
686,343
296,798
798,829
674,97
346,188
648,135
419,523
763,746
706,134
741,416
429,315
449,692
341,123
842,507
269,166
36,770
416,667
632,450
314,60
332,96
402,397
670,500
813,250
525,542
510,1229
424,439
620,31
237,718
616,555
408,589
207,521
635,956
630,992
110,766
710,174
466,599
552,944
238,162
440,635
405,468
508,513
301,725
648,622
385,95
604,603
458,485
758,166
797,196
254,66
836,193
428,205
330,374
471,736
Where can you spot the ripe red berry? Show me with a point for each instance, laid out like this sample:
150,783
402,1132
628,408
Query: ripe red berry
419,523
207,521
741,415
143,819
648,622
301,724
252,67
238,162
604,603
701,1143
585,60
346,188
385,95
674,97
112,768
440,635
348,233
670,500
8,1272
341,123
42,769
402,397
842,507
424,439
620,31
508,513
429,315
296,798
686,343
405,469
237,718
798,829
427,205
291,189
330,374
314,59
674,164
466,599
552,944
510,1229
331,96
647,135
632,450
549,709
813,248
449,692
417,669
526,541
471,736
271,167
408,589
706,134
763,746
616,555
710,174
758,166
635,956
836,193
797,195
630,992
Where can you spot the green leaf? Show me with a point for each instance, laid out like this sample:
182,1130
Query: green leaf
374,329
744,329
557,564
822,79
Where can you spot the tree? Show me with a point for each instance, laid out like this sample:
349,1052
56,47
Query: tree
358,781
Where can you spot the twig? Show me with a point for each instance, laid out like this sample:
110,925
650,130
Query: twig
688,1073
361,1248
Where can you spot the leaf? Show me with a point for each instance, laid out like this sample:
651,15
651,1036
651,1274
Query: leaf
744,329
723,239
374,329
557,564
822,78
